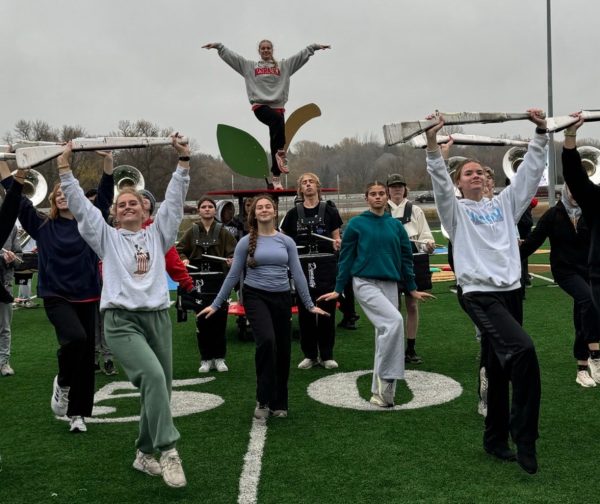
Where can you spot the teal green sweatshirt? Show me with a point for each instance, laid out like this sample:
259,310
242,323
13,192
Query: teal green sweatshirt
375,247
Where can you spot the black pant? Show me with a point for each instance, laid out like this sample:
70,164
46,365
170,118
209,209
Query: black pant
510,358
74,324
347,301
317,333
210,333
585,316
270,314
276,123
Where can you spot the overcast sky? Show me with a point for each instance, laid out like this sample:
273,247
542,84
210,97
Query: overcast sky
95,63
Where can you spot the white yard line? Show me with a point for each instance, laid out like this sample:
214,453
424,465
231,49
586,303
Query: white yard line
253,463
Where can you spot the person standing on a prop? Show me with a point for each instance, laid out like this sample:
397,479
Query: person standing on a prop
310,217
488,270
268,85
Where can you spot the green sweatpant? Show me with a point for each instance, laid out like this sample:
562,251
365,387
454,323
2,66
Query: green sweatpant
141,342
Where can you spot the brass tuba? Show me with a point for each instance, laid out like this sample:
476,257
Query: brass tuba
590,159
128,176
512,159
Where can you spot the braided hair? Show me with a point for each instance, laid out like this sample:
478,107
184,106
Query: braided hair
253,227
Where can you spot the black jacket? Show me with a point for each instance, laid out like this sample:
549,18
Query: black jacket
569,246
587,195
10,211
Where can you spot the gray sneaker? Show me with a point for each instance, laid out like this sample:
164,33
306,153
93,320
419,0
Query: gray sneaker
261,412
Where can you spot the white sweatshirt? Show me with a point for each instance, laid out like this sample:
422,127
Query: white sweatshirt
133,263
486,249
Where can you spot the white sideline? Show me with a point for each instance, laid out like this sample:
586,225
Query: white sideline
253,463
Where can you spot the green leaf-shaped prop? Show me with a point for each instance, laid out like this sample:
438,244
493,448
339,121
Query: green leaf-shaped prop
242,152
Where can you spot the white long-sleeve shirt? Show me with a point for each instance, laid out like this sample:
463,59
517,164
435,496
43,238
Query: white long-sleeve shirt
127,285
417,228
486,249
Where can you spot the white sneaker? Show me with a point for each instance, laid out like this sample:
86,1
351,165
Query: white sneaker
330,364
377,400
78,424
584,379
6,370
594,369
146,463
60,399
221,366
386,390
482,408
308,363
205,366
172,470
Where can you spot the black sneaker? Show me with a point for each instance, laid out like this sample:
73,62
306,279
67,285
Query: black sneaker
109,368
527,460
347,324
501,452
412,358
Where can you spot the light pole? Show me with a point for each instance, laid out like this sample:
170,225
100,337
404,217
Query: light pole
551,152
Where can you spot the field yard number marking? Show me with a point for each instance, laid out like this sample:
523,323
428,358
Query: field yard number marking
182,402
428,389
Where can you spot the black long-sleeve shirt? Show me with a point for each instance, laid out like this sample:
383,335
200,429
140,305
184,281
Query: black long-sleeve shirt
587,195
10,211
569,245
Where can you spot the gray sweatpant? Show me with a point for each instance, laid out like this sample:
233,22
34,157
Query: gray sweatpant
6,313
379,301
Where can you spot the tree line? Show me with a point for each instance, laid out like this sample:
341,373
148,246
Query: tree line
353,161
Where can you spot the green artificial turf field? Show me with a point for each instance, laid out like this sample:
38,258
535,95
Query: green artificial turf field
320,453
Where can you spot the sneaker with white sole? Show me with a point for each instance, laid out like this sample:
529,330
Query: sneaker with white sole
308,363
205,366
276,181
483,392
377,400
261,412
279,413
172,470
584,379
330,364
594,369
77,424
59,402
386,390
6,370
221,366
281,159
146,463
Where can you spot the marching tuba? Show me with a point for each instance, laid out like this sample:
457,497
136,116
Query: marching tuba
590,159
128,176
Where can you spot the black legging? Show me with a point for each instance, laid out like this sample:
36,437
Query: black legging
276,123
74,324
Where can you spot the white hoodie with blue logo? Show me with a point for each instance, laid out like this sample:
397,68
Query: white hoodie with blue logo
485,244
